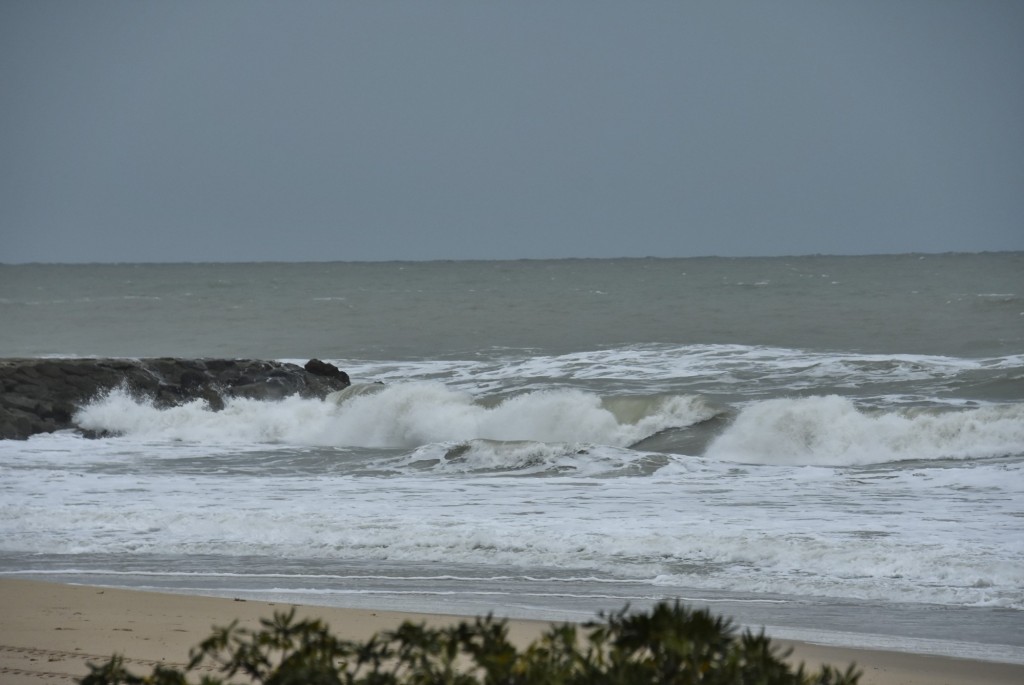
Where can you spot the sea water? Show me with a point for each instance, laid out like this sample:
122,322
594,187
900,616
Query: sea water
831,448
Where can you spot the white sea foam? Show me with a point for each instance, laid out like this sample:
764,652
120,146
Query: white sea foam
744,369
894,535
400,415
292,420
832,430
829,430
521,457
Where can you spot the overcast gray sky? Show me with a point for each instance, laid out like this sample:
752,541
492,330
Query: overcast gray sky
239,131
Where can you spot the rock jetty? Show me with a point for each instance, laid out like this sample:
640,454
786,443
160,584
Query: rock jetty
42,395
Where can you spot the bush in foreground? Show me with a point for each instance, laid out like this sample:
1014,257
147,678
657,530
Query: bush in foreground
670,645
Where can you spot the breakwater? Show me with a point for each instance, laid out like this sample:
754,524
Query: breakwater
42,395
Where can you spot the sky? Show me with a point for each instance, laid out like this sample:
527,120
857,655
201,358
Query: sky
341,130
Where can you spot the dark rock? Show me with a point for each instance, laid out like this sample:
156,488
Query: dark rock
192,379
271,389
61,413
212,398
17,424
19,402
42,395
315,366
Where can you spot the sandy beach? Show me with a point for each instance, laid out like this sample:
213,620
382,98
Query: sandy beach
50,632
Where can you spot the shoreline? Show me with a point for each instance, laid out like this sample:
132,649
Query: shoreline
51,631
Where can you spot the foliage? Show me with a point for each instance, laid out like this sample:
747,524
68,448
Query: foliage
669,645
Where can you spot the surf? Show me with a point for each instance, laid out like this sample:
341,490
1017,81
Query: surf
833,431
402,415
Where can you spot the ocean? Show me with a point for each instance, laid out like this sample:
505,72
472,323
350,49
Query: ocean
831,448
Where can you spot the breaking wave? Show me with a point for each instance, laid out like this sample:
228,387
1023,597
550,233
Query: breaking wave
404,415
832,431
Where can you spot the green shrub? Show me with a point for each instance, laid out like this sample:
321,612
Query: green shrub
669,645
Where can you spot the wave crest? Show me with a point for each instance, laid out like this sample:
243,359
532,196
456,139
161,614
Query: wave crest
403,415
832,431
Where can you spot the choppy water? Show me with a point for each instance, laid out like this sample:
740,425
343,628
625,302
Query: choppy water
830,447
